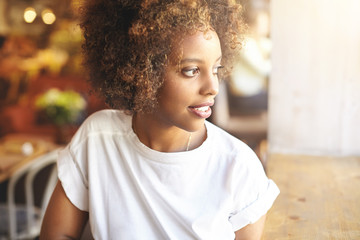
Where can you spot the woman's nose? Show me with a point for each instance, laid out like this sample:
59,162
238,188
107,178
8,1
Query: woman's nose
209,84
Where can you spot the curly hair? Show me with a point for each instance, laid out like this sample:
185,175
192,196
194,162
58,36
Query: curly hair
128,42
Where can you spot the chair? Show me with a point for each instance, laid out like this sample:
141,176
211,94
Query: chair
19,226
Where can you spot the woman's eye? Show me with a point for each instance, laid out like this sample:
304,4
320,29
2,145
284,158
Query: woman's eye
216,69
192,72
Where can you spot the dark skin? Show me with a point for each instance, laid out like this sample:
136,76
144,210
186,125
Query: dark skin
156,130
62,219
65,221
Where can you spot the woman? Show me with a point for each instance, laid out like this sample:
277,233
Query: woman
154,168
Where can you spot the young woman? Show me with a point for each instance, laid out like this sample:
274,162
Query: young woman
154,168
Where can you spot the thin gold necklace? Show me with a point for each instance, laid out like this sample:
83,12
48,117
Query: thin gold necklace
188,142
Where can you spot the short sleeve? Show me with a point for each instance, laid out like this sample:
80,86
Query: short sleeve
257,209
71,172
254,193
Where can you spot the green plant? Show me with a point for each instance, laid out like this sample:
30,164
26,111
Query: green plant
61,107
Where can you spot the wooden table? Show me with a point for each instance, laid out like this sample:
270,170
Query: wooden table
319,199
12,157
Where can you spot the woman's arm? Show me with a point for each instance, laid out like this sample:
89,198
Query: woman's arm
252,231
62,219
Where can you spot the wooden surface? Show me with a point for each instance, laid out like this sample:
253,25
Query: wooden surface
319,199
12,157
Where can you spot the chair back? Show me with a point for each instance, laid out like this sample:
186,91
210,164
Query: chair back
34,217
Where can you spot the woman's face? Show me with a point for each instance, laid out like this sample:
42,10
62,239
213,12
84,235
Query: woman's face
190,88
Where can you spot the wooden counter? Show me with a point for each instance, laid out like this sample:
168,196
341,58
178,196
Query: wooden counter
11,156
319,199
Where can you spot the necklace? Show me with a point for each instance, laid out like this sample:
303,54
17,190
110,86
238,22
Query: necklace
188,142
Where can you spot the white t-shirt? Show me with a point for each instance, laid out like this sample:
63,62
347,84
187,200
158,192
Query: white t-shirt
134,192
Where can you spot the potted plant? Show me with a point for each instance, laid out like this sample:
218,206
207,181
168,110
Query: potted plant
61,108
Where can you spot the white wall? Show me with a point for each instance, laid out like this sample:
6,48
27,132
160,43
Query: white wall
314,103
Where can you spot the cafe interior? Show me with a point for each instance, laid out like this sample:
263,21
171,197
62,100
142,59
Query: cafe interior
44,97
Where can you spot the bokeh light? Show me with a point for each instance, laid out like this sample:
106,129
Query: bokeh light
48,16
29,15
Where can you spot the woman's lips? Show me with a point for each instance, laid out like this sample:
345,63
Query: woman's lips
202,111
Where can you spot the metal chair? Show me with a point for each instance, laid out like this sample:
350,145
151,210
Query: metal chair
34,214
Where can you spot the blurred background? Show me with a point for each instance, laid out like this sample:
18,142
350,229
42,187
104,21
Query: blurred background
294,90
44,98
40,51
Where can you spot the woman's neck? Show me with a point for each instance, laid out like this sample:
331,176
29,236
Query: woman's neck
165,138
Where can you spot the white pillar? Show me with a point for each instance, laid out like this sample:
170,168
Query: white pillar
314,98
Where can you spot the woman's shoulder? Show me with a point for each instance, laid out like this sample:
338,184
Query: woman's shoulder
108,119
104,123
230,147
224,139
106,113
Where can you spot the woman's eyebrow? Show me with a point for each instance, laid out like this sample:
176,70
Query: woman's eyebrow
191,60
196,60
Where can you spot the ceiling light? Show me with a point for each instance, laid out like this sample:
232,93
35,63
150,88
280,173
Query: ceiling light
48,16
29,15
